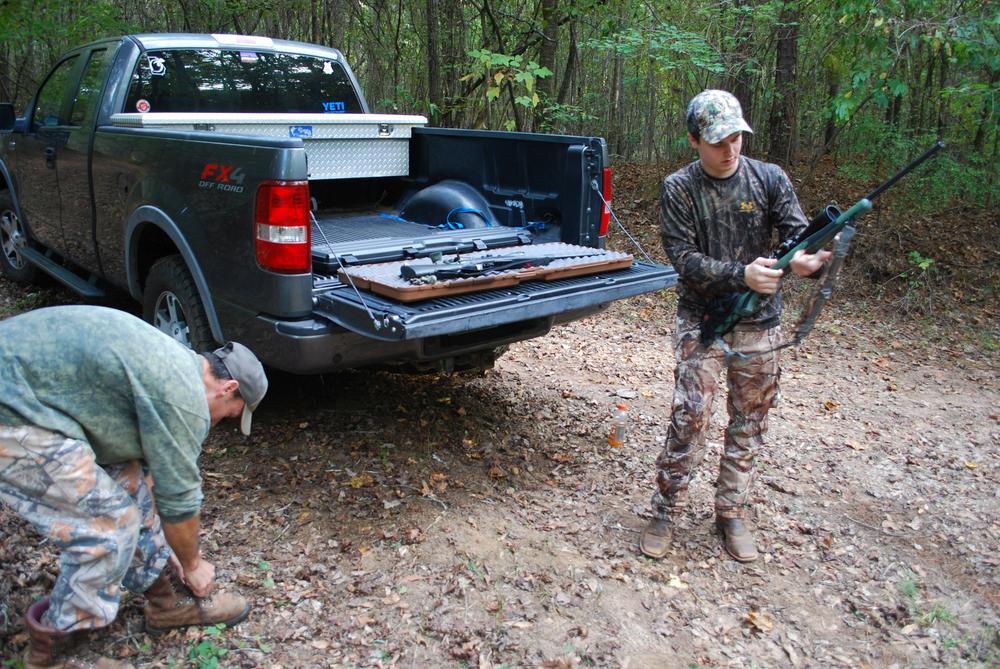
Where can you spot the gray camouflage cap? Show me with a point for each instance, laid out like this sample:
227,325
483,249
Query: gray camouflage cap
716,115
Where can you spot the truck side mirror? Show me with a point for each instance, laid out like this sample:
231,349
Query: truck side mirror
8,117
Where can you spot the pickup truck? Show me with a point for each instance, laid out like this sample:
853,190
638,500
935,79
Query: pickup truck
227,182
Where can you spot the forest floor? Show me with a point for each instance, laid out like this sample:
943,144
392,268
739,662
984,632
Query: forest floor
383,520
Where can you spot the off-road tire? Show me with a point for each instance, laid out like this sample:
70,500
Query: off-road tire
12,237
172,304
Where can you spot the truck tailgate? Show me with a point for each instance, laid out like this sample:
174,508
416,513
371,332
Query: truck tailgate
382,318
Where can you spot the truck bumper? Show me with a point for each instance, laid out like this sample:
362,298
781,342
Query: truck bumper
316,346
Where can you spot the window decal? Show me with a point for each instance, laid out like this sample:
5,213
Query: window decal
157,65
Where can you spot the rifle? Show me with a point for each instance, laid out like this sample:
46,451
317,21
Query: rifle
457,268
724,313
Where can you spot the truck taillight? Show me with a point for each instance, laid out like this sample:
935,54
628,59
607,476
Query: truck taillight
606,211
281,227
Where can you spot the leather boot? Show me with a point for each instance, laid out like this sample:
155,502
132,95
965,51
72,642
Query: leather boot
656,537
48,648
169,604
737,539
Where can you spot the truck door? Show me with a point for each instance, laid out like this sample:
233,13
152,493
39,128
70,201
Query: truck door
74,165
38,152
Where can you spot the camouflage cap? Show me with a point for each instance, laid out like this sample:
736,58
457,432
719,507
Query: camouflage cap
716,115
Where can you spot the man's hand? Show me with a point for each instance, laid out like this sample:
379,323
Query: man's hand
806,264
197,574
200,578
760,278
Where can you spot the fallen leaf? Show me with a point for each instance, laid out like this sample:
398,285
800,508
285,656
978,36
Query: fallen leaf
760,621
675,582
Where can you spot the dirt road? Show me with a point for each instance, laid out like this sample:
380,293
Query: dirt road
384,520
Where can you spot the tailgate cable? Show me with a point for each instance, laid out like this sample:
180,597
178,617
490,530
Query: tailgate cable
375,322
593,184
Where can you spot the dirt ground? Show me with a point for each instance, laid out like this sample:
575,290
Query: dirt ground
382,520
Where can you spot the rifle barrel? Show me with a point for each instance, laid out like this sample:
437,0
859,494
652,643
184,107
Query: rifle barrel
938,145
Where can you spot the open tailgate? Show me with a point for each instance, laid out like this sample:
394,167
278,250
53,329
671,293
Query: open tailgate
379,317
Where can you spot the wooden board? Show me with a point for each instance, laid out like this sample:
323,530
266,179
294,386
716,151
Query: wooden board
384,278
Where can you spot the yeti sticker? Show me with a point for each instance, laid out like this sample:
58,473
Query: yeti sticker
157,66
333,107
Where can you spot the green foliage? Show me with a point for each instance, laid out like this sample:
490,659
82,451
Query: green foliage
873,151
558,117
267,577
907,585
43,29
515,72
876,78
206,654
670,47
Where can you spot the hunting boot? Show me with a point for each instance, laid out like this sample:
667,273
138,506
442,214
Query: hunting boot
170,604
656,537
736,538
48,648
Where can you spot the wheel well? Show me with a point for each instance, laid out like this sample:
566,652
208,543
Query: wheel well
151,244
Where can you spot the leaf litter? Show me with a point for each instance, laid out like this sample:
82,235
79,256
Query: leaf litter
485,521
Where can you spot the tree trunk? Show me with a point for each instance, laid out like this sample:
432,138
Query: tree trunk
547,56
979,142
783,142
738,80
433,60
649,138
942,102
569,73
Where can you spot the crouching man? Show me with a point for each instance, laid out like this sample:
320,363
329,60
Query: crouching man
92,400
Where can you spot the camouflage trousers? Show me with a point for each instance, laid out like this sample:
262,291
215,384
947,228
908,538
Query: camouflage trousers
102,519
753,390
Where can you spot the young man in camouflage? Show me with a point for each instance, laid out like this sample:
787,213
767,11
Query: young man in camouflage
717,218
92,400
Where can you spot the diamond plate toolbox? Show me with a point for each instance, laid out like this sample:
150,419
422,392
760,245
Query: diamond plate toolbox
339,146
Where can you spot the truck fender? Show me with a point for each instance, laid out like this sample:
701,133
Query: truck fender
150,215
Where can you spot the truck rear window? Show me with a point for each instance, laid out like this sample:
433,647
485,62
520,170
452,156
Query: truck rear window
239,80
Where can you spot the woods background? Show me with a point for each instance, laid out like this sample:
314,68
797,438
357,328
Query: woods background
877,80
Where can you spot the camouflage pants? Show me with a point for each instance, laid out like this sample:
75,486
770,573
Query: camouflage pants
753,390
102,519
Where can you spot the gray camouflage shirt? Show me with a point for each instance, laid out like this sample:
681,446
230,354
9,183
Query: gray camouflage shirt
107,378
712,228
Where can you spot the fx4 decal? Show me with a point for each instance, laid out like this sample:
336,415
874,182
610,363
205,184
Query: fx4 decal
215,176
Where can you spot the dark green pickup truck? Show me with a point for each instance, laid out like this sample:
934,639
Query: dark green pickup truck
223,181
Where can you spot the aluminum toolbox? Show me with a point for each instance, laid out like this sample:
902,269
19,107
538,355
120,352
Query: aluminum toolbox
338,146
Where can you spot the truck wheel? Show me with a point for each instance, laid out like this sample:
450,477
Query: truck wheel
13,238
171,303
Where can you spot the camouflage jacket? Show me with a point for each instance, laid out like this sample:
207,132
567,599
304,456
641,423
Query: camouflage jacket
117,383
712,228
